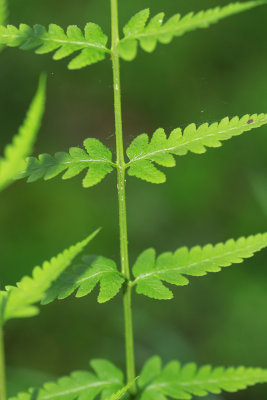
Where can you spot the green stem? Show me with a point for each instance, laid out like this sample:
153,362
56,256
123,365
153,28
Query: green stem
129,341
2,365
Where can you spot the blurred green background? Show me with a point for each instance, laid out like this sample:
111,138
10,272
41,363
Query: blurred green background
201,77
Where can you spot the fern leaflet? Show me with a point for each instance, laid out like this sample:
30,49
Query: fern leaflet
143,153
85,277
21,147
183,382
80,384
150,271
19,300
155,31
91,44
97,157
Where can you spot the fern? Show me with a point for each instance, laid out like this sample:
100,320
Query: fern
142,153
98,159
80,385
19,300
177,382
150,34
58,278
150,271
91,44
22,144
85,277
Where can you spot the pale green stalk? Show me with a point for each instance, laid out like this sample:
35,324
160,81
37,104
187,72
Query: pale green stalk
3,16
2,365
129,341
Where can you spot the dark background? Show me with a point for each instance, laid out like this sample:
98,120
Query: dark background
201,77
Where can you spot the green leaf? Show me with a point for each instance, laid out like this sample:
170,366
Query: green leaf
16,152
184,382
148,35
97,157
91,44
136,24
85,277
19,300
150,271
80,385
150,371
142,153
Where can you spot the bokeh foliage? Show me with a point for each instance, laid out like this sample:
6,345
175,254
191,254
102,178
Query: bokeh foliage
201,77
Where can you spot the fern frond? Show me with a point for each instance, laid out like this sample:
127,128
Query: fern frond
79,385
142,153
97,157
183,382
91,44
149,34
16,152
20,299
85,277
150,271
